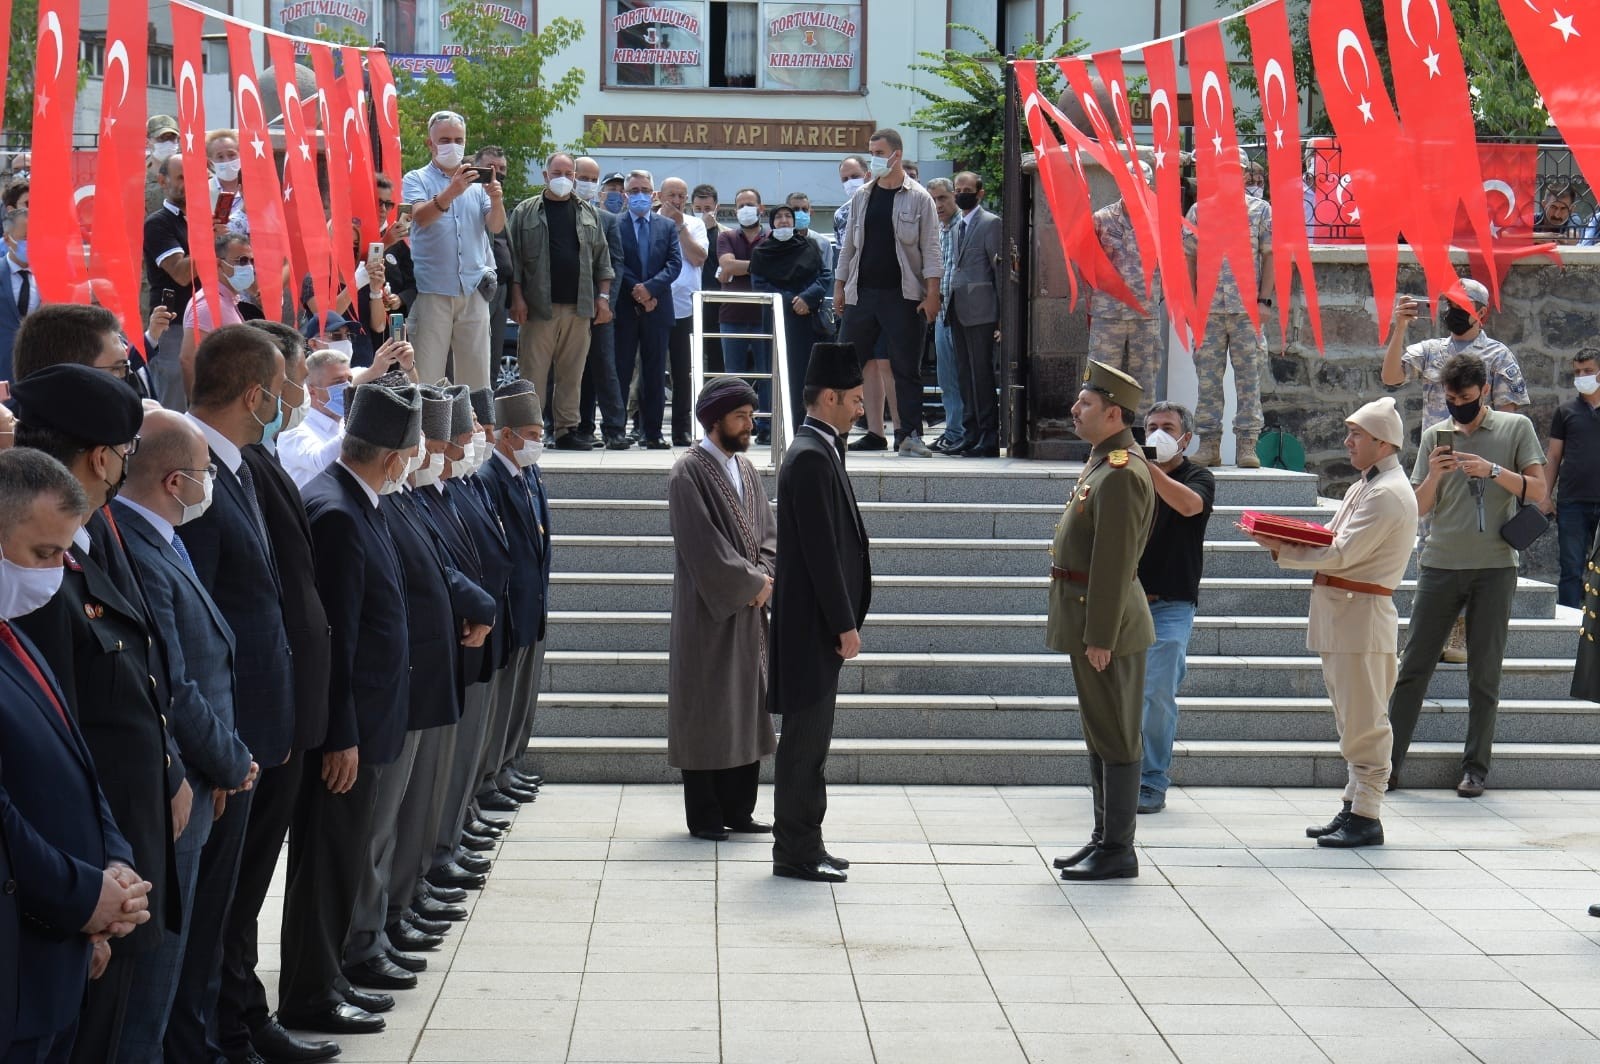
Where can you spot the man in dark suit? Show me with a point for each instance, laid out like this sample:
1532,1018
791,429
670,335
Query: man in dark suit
973,312
600,383
171,488
18,294
362,585
524,511
74,887
235,401
820,597
96,638
651,261
244,1020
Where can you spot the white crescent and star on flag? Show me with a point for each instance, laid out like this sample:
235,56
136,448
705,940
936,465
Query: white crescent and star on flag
1348,42
1160,101
1273,72
1212,83
1431,60
188,101
246,87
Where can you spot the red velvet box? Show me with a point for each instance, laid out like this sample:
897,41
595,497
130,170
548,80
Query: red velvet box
1290,529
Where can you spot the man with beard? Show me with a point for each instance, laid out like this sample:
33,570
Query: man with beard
725,541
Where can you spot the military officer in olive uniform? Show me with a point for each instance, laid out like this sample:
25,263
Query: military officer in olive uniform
1099,614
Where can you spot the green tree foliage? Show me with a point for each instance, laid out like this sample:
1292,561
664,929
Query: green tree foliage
502,88
19,67
971,123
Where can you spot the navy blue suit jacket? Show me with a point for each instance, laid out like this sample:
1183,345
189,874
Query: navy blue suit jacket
10,321
430,618
364,591
662,262
200,656
475,503
236,564
10,939
451,532
61,836
527,525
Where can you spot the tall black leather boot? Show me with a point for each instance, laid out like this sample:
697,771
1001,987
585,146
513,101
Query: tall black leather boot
1097,786
1114,858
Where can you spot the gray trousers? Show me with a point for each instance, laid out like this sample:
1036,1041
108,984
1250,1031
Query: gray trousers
420,813
464,773
516,697
166,373
368,916
1441,594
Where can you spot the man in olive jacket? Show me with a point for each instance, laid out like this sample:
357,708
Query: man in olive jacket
1099,614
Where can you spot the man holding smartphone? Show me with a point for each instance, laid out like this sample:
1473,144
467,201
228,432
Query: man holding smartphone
453,213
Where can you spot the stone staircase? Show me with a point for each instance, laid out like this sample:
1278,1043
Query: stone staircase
956,686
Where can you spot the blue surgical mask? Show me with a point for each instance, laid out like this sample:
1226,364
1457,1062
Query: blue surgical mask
20,250
615,202
269,429
639,203
802,219
336,395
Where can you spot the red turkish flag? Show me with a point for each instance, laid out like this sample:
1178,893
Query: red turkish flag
338,117
1430,87
1273,55
1105,150
1562,51
302,194
1162,70
1510,177
1067,191
5,45
187,26
117,238
55,247
386,101
1222,221
358,139
268,224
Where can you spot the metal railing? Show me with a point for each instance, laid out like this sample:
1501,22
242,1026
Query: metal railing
778,377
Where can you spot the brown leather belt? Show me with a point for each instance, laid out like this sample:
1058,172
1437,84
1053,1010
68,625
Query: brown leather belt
1357,586
1071,576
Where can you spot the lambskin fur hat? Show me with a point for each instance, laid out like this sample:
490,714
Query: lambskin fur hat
517,404
390,418
436,413
483,406
460,397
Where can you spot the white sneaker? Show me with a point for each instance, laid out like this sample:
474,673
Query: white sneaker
913,447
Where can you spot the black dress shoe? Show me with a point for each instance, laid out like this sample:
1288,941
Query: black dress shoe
520,795
1357,830
476,843
481,830
433,910
380,973
1331,826
1103,864
250,1057
335,1019
870,442
409,961
271,1043
448,895
571,441
681,439
1471,785
372,1001
498,802
1594,910
817,872
709,835
751,827
1077,857
425,925
453,875
980,452
531,779
403,936
619,443
837,862
493,826
473,864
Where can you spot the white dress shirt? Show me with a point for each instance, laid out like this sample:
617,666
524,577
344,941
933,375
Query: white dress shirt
310,447
163,527
688,282
16,284
220,446
730,465
366,488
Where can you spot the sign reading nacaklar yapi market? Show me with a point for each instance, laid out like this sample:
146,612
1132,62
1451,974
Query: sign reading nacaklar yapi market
813,47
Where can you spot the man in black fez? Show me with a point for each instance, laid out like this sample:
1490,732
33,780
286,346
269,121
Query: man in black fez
819,601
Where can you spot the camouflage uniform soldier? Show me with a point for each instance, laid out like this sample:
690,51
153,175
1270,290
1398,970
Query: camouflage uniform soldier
1230,335
1119,335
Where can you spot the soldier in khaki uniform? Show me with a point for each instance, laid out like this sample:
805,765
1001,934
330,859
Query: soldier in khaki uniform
1353,623
1132,340
1099,614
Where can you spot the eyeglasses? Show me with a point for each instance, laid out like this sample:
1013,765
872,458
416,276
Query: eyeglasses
120,370
132,448
245,261
387,205
446,116
210,472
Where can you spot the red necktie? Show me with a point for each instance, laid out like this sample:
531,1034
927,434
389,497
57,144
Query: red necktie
9,638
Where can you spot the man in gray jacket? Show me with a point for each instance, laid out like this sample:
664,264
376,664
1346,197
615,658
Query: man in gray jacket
973,314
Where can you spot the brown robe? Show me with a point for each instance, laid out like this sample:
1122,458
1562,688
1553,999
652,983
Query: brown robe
724,550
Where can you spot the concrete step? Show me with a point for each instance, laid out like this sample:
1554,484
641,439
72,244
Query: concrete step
1047,674
1021,633
623,714
897,479
609,591
923,520
1063,761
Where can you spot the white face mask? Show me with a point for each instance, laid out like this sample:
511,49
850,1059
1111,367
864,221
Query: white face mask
430,471
347,348
1165,443
296,414
784,233
529,453
228,171
391,486
561,187
587,190
460,467
243,277
163,150
192,510
853,183
877,165
1587,384
23,590
748,215
449,156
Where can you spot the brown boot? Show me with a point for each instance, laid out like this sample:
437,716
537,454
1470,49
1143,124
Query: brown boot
1207,454
1245,454
1455,650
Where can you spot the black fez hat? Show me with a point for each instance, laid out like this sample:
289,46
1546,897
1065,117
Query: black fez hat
390,418
721,397
483,405
435,413
81,403
833,366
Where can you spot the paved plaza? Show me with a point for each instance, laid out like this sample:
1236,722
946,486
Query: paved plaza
606,934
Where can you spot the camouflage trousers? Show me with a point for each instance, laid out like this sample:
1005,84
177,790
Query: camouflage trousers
1229,336
1133,345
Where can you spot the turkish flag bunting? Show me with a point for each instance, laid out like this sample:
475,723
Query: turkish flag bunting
1104,149
302,193
1562,53
1510,174
1067,191
117,239
187,26
1162,70
358,139
5,45
337,118
55,250
1430,87
260,173
1276,87
1222,221
386,100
